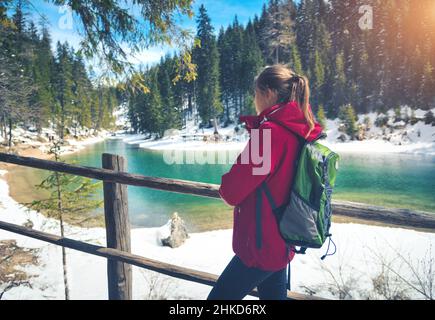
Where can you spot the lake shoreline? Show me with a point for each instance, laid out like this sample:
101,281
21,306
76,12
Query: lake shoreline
369,146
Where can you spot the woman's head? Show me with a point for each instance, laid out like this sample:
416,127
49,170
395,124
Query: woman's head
279,84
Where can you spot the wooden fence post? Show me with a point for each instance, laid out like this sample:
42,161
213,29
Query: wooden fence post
117,230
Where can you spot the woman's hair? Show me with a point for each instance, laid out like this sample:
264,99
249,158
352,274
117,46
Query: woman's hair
289,86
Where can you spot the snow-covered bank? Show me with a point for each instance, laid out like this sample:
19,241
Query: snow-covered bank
74,145
189,139
170,144
34,144
379,146
393,137
361,250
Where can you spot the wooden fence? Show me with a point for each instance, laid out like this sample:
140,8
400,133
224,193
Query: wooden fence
118,250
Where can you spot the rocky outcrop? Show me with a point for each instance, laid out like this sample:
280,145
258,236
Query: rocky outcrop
178,232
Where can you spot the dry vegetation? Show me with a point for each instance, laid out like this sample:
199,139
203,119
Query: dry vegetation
12,259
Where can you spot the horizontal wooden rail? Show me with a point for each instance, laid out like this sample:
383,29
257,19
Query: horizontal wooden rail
122,256
398,217
172,185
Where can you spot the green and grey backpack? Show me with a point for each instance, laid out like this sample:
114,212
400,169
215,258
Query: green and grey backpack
304,220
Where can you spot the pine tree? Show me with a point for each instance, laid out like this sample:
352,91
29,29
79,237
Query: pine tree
179,96
170,116
70,197
295,61
63,87
237,82
321,117
339,87
16,86
278,30
19,21
149,106
42,77
429,118
260,26
426,95
81,89
40,88
207,59
348,118
251,64
226,67
305,30
365,83
318,78
109,104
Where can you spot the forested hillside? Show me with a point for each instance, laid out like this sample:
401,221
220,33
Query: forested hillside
41,87
370,69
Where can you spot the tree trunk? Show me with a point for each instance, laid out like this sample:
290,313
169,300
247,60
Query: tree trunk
62,121
62,233
277,55
10,133
4,130
215,126
240,104
227,110
100,108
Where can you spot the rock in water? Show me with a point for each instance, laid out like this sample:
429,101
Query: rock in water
178,232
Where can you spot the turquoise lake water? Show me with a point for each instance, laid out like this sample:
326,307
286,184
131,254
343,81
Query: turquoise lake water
394,180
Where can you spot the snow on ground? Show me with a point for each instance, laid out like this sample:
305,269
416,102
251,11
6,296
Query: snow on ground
190,138
83,137
358,246
76,145
417,139
121,117
178,144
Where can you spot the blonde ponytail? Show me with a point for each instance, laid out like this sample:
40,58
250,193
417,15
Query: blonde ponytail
300,92
289,87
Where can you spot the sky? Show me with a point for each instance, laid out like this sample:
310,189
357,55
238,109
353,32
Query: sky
221,12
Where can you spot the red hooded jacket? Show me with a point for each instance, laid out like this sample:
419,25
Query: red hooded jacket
239,184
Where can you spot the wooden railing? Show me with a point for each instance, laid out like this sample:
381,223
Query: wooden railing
118,230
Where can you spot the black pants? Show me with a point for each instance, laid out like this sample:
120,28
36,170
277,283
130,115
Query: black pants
238,280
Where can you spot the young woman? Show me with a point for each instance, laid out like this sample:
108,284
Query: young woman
261,255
